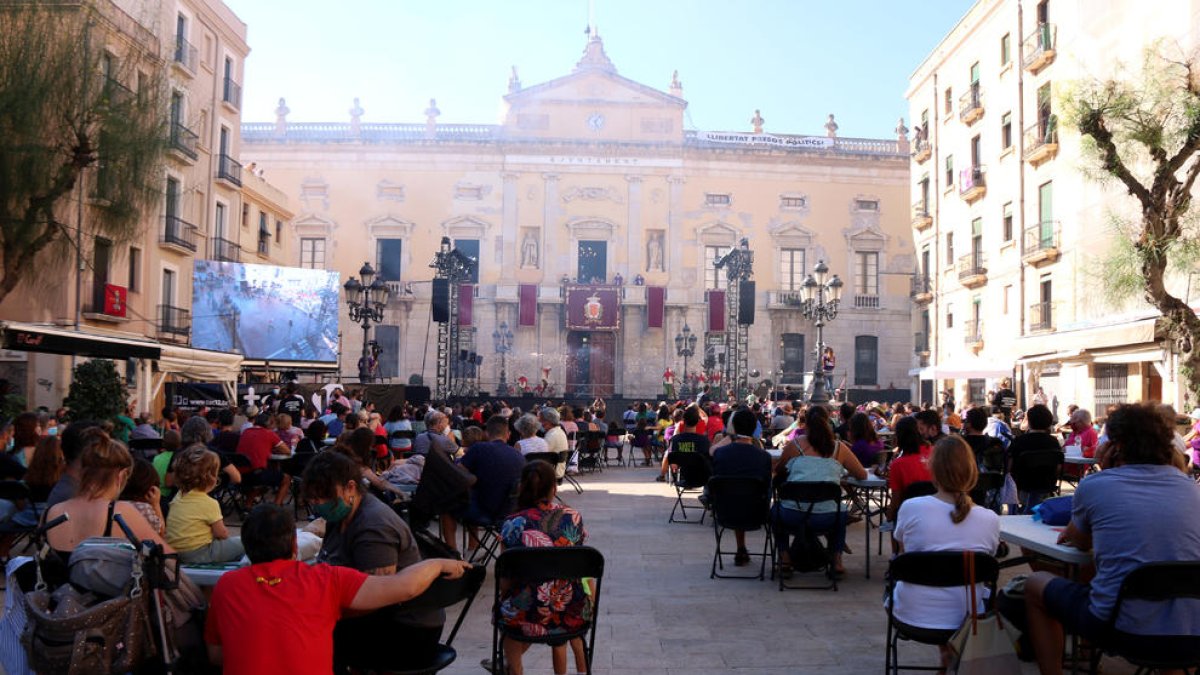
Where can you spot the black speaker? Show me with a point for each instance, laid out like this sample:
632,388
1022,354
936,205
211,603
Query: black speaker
479,359
746,303
462,355
441,300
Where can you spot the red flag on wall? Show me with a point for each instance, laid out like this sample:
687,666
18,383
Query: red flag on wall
716,311
656,300
114,300
466,298
527,294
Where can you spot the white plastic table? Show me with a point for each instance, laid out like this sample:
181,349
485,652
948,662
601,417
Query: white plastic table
1040,538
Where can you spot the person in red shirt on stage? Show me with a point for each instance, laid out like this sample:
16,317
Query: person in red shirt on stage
279,600
910,466
257,444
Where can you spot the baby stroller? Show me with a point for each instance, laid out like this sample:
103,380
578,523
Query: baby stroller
115,622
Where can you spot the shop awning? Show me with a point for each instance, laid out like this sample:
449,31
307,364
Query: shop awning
29,337
200,364
964,369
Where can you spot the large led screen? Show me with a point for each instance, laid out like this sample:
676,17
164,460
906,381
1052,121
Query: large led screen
265,312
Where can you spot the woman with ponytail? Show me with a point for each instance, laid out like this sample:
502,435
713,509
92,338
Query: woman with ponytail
559,606
946,521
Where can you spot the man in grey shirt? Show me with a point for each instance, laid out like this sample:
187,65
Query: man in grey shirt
72,442
435,434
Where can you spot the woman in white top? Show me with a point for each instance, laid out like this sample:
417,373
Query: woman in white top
946,521
527,425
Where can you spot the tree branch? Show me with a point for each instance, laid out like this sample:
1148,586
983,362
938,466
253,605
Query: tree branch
1093,125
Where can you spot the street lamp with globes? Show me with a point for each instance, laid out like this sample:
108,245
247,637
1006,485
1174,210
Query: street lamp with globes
366,301
685,346
502,339
820,295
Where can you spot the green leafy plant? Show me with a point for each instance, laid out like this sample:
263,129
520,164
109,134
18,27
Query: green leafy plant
96,392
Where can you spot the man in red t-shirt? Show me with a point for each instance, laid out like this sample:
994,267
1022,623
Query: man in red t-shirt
280,602
257,444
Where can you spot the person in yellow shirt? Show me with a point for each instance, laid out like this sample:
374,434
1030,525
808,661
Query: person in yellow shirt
952,419
195,527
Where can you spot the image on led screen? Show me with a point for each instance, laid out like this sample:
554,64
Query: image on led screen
265,312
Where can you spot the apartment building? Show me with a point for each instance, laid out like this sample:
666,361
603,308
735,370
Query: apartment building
136,296
1009,232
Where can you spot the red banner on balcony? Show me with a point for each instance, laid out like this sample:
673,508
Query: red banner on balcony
114,300
716,311
593,308
656,301
466,301
527,294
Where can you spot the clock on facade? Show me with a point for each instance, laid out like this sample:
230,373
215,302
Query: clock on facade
595,121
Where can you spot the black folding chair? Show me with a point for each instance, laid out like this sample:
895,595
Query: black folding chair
396,443
1154,582
442,593
1037,473
534,566
689,473
942,569
740,503
807,495
231,496
590,454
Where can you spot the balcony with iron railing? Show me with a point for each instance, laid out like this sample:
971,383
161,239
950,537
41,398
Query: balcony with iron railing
115,93
264,244
224,250
178,234
1040,244
1041,317
866,301
1041,140
785,298
230,170
971,184
174,322
973,334
921,219
970,105
104,301
921,344
1037,49
972,271
184,140
185,55
231,94
922,150
921,290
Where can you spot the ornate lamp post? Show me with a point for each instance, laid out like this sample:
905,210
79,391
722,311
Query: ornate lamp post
502,339
685,346
820,304
366,300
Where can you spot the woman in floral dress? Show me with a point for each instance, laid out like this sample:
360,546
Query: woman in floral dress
555,607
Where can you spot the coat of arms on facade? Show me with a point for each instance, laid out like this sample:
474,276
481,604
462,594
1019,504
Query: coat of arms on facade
593,311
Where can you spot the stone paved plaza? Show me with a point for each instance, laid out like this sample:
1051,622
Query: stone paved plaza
662,615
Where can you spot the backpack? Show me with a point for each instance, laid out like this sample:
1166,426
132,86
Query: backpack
807,553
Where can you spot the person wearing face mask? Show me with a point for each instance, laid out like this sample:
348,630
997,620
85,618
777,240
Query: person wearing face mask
363,533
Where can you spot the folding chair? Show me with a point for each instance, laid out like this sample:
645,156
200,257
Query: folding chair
556,459
400,442
740,503
689,474
614,442
942,569
294,467
1037,473
232,497
534,566
590,458
1154,582
441,594
809,494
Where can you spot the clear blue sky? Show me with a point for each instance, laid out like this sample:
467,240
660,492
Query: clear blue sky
796,60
